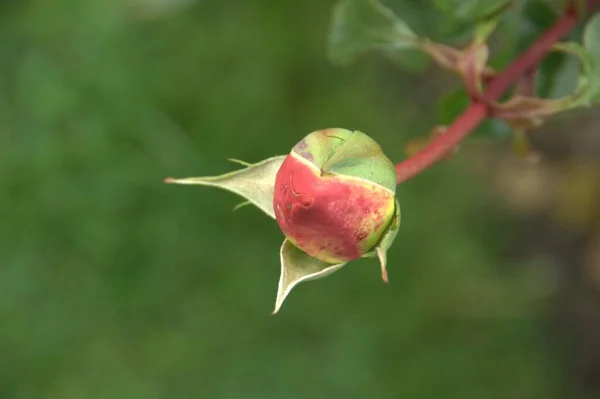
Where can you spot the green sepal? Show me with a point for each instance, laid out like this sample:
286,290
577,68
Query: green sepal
386,241
255,182
296,267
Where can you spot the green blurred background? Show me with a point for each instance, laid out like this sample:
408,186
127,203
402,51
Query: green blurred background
114,285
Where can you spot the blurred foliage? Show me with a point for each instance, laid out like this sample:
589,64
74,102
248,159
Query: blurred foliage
361,26
113,285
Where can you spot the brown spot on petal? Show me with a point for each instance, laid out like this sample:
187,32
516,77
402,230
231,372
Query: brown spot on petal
307,155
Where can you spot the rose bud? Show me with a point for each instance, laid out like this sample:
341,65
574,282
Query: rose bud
334,195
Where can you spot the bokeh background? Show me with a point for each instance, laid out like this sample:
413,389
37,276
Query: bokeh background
114,285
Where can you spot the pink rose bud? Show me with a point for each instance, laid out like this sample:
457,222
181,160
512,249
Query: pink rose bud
334,195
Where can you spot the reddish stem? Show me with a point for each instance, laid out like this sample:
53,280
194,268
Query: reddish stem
474,115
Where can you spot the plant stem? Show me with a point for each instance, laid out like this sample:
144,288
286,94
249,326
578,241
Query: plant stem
475,114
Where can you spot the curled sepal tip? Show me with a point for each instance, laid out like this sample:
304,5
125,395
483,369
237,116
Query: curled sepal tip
255,182
296,267
386,242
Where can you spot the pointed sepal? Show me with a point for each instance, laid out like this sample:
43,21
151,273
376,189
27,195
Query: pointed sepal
255,182
297,267
387,239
